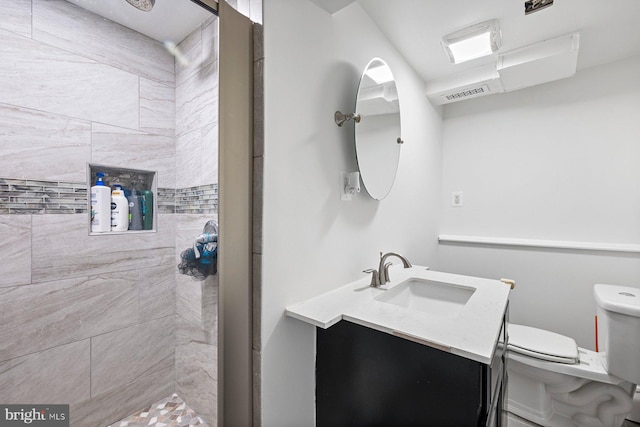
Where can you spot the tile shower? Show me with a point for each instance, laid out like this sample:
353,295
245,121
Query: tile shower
103,323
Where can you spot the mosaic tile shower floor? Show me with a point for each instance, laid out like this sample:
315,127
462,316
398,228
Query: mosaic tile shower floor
169,412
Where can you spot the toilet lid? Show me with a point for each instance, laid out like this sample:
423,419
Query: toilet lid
542,344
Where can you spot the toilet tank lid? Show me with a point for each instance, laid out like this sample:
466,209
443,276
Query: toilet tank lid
619,299
542,344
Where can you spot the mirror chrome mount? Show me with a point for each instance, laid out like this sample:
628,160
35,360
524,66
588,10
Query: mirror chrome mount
340,118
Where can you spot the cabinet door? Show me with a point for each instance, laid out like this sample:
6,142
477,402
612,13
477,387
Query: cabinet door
369,378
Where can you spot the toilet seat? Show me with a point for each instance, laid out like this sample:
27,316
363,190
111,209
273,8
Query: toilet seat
541,344
525,349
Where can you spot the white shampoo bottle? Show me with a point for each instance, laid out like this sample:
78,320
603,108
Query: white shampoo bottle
100,206
119,210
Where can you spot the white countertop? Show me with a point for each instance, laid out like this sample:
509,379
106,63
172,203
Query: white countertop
471,333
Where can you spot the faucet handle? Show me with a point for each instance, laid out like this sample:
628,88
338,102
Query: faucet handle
375,278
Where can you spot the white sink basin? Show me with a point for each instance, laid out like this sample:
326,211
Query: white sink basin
443,299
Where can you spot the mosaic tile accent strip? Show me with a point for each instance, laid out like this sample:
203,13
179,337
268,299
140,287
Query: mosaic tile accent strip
202,199
26,197
166,200
169,412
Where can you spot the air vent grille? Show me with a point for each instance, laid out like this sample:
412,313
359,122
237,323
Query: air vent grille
467,93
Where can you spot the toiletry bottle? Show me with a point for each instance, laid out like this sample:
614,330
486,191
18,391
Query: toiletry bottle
119,210
100,206
147,209
135,210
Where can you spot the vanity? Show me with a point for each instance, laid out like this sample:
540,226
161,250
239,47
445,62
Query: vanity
426,349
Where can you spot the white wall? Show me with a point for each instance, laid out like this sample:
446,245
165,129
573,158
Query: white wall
314,242
558,162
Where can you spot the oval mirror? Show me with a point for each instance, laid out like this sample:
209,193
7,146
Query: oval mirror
377,135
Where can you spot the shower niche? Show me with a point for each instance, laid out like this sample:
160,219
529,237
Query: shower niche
140,189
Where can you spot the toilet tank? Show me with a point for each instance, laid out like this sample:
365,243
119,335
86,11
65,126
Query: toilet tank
618,309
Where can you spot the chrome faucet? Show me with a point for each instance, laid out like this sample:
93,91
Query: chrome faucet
380,276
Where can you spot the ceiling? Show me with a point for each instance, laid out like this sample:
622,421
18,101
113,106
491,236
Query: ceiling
609,30
184,16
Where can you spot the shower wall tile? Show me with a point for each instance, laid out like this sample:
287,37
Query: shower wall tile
157,108
114,146
258,189
122,356
197,157
210,38
108,408
203,332
16,16
200,49
258,42
197,378
257,205
256,302
38,145
57,376
209,161
197,114
69,27
191,49
257,388
50,79
189,159
15,250
197,100
36,317
62,248
258,106
189,299
156,292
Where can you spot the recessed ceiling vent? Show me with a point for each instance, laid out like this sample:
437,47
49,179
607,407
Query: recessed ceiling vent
474,83
467,93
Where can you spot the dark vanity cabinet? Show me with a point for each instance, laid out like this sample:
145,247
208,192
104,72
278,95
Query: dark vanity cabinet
365,377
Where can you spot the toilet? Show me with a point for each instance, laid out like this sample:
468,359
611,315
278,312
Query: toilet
553,382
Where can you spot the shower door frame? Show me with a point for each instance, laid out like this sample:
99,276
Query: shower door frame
236,186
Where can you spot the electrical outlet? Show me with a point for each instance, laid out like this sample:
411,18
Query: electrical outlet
456,199
343,185
349,185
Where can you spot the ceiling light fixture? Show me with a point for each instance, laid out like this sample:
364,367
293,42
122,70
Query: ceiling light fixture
380,74
144,5
472,42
